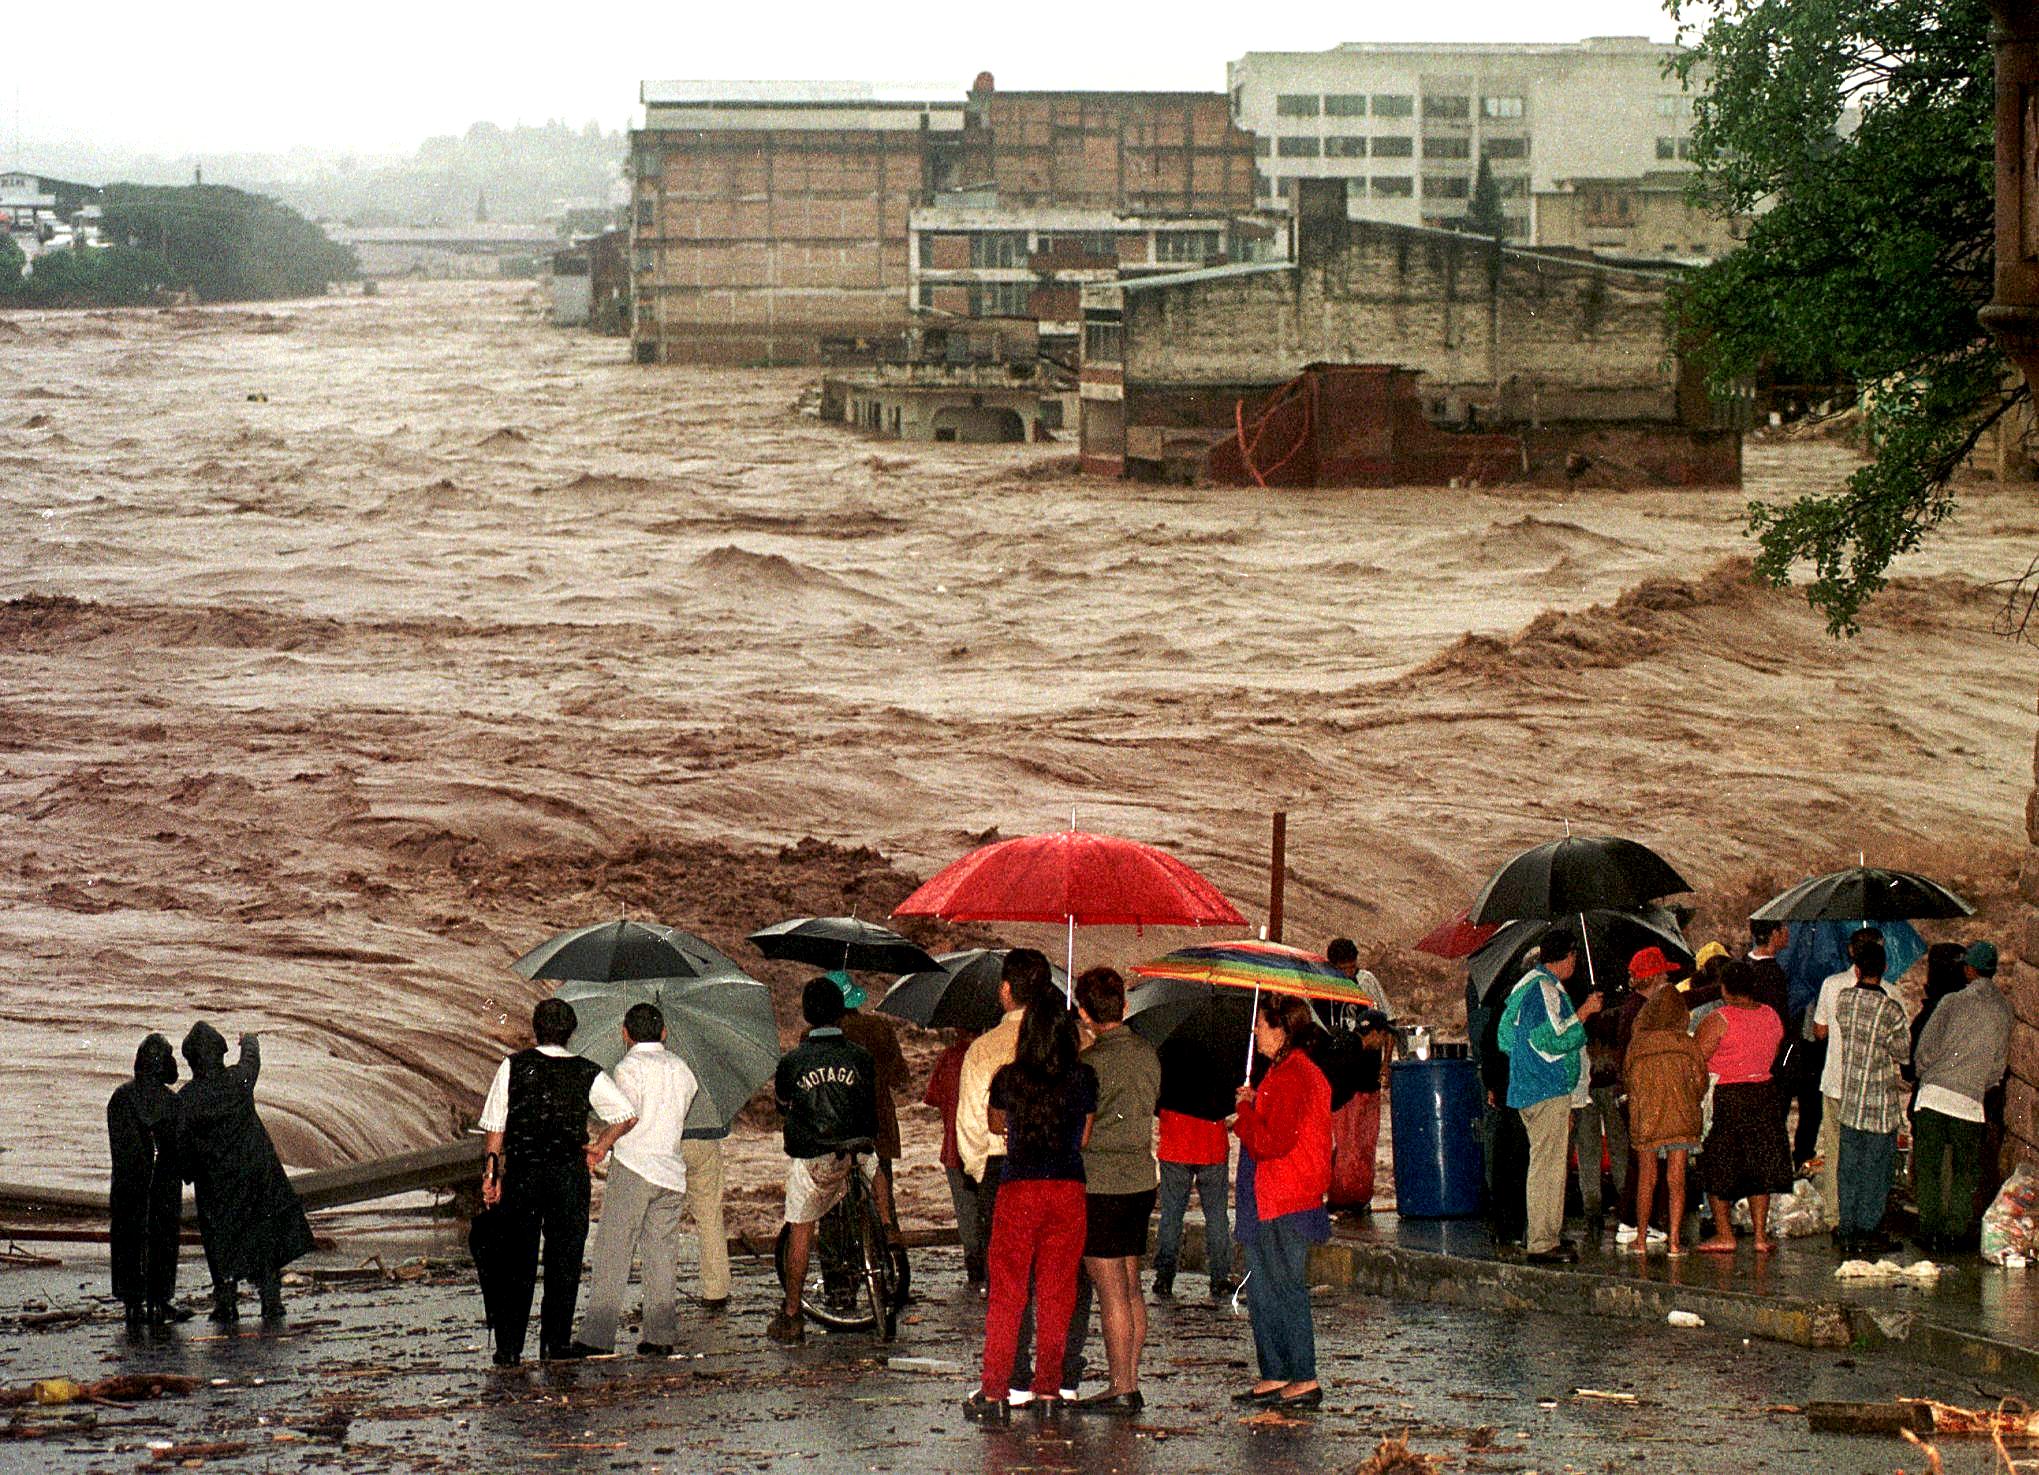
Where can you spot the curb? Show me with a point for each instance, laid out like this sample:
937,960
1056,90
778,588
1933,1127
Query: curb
1496,1285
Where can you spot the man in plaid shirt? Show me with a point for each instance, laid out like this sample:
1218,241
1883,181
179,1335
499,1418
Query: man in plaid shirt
1873,1037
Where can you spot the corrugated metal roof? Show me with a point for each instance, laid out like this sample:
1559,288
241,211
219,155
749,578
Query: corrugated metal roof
704,93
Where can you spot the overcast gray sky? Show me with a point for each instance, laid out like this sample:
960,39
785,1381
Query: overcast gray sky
380,76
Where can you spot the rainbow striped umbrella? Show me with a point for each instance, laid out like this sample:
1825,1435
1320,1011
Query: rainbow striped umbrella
1268,966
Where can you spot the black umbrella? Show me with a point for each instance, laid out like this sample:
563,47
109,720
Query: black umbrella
610,952
1863,894
1576,874
960,992
1220,1018
1613,936
841,942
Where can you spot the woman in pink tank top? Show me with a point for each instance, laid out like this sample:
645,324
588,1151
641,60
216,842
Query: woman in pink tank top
1746,1153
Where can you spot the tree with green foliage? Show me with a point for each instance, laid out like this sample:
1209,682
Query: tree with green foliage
225,244
12,262
115,276
1484,216
1870,251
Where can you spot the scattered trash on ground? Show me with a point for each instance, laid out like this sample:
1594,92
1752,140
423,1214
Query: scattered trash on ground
1392,1456
1599,1395
1920,1273
2008,1225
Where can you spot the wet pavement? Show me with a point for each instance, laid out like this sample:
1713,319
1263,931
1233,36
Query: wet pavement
1968,1294
394,1375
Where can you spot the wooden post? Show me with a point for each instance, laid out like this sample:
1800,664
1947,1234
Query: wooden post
1277,871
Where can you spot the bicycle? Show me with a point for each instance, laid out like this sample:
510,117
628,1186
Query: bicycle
856,1277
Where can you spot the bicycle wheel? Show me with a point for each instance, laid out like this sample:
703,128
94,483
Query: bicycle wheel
832,1293
876,1253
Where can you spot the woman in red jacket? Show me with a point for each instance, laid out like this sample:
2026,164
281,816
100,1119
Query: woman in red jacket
1284,1131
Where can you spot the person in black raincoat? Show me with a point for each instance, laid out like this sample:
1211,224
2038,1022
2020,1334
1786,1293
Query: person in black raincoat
147,1195
248,1214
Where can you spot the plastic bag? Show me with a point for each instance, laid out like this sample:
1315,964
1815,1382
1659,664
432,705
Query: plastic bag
1793,1215
2008,1225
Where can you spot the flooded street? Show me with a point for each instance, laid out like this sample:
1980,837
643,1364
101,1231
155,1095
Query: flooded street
352,646
373,1379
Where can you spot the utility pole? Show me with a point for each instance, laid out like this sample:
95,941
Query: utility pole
1278,865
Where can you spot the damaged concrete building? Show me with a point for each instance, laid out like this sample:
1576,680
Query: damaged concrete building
1567,360
771,217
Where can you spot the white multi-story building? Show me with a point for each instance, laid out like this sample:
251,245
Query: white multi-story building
1408,123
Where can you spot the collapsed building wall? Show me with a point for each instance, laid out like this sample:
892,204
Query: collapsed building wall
1572,355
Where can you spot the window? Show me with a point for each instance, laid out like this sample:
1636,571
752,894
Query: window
1501,107
1394,146
1673,106
1297,146
1393,105
1607,209
1447,148
1296,105
1000,299
1513,189
998,248
647,213
1263,187
1262,147
1344,146
1103,343
927,294
1079,243
1392,187
1448,108
1285,189
1685,149
927,250
1505,148
1178,246
1345,104
1446,187
1667,148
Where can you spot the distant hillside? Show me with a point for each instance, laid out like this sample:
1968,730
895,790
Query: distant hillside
524,173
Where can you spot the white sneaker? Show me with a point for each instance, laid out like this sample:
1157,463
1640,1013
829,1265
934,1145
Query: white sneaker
1657,1236
1069,1395
1019,1398
1624,1234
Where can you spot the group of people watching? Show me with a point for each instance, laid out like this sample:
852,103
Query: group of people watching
1062,1129
1664,1068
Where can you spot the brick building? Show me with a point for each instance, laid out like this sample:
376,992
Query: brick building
1569,355
769,216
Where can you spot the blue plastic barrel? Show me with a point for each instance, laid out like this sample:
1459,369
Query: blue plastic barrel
1440,1167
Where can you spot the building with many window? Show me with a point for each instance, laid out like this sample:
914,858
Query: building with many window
1408,124
769,217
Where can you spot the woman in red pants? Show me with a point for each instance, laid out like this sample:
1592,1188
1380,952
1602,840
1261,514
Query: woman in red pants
1043,1102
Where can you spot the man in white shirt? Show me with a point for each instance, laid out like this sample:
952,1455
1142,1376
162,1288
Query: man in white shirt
1827,1179
536,1118
646,1193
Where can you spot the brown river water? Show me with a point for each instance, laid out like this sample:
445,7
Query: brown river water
318,708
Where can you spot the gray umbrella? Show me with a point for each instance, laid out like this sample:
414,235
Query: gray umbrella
960,993
721,1025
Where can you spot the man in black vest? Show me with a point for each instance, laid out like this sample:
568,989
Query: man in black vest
536,1117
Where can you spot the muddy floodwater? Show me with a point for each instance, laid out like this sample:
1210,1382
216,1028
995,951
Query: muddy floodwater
349,647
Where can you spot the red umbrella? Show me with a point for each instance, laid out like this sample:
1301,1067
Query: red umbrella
1074,877
1460,937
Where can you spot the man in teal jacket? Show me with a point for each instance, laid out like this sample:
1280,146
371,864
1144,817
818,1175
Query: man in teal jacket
1545,1039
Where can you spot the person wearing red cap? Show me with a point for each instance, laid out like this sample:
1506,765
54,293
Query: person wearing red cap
1602,1118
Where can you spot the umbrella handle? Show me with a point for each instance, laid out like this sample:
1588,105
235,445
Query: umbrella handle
1252,1014
1069,956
